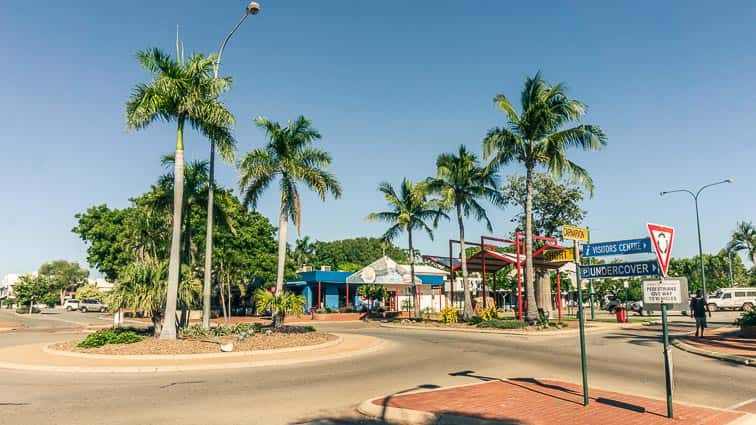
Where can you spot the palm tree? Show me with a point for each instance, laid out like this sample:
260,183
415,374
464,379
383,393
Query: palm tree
289,155
461,182
409,210
744,239
303,250
538,137
183,91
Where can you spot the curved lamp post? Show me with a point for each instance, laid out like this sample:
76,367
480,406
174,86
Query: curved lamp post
698,223
253,8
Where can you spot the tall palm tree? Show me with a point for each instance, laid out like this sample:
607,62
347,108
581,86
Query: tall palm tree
289,155
409,210
744,239
538,137
183,91
462,182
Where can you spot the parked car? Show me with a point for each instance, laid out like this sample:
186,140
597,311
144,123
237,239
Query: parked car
71,304
733,299
91,304
611,303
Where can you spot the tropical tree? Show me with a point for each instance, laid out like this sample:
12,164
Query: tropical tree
410,209
64,275
183,91
744,239
303,250
279,304
461,182
289,156
539,136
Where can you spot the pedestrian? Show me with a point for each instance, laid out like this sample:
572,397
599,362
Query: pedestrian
698,309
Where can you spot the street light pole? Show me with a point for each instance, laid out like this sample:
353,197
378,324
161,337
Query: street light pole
698,224
253,8
732,276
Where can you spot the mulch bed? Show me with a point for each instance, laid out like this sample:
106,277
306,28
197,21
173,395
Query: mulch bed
202,345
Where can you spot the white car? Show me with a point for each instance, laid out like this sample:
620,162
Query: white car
733,299
71,304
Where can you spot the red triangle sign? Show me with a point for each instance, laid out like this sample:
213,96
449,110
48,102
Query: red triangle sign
661,238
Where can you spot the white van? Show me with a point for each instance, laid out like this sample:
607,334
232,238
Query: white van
733,299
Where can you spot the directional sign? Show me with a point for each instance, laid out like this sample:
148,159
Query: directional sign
636,268
559,255
662,237
662,292
626,247
575,233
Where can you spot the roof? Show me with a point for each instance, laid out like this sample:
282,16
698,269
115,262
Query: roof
324,277
383,271
495,261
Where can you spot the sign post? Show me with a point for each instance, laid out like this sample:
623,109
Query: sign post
662,237
579,234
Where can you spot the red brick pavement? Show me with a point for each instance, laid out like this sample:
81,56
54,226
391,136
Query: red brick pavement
537,402
725,341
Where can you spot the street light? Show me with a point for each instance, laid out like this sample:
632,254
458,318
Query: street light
698,223
253,8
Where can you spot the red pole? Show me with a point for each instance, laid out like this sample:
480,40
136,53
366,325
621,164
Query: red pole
347,294
519,279
451,272
483,260
559,294
320,305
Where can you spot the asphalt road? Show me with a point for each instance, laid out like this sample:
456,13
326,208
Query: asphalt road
629,361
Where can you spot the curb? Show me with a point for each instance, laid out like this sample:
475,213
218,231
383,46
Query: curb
380,345
742,360
503,332
55,352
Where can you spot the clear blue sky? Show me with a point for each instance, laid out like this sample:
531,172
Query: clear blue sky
390,87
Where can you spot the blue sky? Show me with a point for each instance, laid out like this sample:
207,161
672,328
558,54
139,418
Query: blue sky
671,83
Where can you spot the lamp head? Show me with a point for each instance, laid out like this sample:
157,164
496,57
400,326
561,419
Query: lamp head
730,180
253,8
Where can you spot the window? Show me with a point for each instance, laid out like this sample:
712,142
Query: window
726,296
740,294
752,293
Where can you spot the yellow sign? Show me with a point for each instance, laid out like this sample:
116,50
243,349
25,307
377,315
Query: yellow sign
559,255
575,233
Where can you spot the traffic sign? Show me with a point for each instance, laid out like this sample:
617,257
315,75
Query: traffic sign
662,292
624,247
559,255
661,238
574,233
635,268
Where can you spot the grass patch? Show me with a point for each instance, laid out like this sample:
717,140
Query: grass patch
110,336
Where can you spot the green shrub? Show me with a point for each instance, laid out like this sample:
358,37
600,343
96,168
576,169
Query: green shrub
25,310
748,318
240,329
475,320
449,314
110,336
502,324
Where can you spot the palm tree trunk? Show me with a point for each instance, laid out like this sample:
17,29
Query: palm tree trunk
169,326
467,312
415,293
209,243
531,312
283,224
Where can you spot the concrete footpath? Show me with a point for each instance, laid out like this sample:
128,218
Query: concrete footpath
722,343
534,402
37,357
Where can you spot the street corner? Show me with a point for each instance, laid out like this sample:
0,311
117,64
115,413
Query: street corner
536,401
42,358
724,343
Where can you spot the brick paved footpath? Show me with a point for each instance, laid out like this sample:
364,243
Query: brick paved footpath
537,402
724,341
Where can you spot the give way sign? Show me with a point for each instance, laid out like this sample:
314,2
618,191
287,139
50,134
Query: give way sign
661,238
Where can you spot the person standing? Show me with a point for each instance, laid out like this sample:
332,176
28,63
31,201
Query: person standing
699,308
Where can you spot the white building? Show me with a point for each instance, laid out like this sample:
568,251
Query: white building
101,284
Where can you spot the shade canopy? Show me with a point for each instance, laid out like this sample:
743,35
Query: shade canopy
383,271
495,261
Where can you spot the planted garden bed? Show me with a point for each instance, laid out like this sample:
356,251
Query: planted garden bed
196,341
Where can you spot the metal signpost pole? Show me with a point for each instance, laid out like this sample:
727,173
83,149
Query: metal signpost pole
581,320
590,282
667,361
